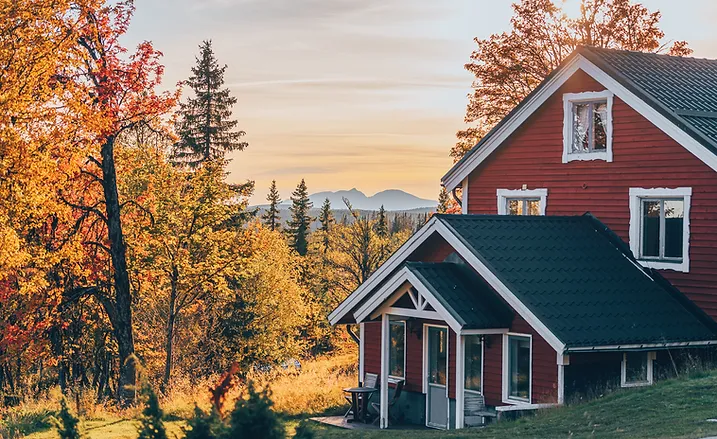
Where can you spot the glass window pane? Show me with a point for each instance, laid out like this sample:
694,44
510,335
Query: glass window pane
437,355
600,126
674,227
396,352
474,362
636,367
650,228
519,367
581,124
515,207
533,207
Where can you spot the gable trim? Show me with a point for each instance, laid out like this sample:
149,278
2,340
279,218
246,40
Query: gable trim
515,119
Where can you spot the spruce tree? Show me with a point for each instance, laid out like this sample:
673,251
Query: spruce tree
326,217
300,223
150,423
67,424
205,128
271,216
382,223
443,201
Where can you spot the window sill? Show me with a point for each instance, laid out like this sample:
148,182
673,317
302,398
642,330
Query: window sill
637,384
516,401
587,156
683,266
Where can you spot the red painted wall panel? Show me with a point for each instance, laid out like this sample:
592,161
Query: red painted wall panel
643,156
493,369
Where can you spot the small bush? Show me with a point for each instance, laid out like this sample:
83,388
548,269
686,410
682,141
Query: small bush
253,417
150,423
204,426
304,431
67,424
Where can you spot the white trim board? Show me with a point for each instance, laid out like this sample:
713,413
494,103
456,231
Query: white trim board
458,173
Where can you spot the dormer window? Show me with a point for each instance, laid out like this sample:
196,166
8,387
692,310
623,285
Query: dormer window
587,126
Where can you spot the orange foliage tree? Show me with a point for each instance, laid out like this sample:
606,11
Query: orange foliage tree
509,65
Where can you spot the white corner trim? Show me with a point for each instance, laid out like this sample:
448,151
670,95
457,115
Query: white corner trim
568,100
504,194
362,350
460,379
464,196
506,370
454,177
385,346
636,196
623,371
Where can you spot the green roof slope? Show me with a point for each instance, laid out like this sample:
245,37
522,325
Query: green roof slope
464,294
580,280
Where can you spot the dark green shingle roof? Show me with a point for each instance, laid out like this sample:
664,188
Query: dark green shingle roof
467,297
580,280
683,89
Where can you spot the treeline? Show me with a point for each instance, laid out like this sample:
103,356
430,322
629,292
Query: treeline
122,239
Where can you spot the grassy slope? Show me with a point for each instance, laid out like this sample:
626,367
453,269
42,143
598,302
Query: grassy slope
675,408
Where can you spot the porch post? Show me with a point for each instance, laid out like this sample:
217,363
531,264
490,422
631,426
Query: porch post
460,380
563,360
362,348
385,349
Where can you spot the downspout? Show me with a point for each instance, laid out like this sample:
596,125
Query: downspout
456,198
353,335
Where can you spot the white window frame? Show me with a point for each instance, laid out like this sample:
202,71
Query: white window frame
512,194
405,330
568,100
623,371
636,197
482,362
507,399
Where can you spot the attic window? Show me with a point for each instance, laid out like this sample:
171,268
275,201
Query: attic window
587,126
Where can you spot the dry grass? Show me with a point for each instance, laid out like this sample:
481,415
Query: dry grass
314,390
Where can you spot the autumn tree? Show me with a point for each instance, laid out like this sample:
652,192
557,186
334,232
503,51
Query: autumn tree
205,128
509,65
112,93
271,217
327,220
299,226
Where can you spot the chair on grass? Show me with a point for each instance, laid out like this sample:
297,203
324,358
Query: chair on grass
396,394
369,380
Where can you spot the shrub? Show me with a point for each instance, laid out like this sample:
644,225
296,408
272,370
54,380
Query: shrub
150,423
67,424
304,431
204,426
253,417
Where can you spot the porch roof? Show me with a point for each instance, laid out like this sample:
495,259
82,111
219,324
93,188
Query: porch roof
463,294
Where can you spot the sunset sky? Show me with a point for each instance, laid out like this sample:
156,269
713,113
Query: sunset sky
352,93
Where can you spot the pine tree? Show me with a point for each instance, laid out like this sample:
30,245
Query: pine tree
67,424
382,223
150,423
253,416
327,220
205,127
443,201
300,222
271,216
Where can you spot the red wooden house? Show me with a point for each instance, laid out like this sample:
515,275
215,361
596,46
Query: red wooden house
528,300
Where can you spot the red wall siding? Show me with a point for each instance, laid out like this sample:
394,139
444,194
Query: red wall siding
493,369
451,363
372,347
434,249
643,155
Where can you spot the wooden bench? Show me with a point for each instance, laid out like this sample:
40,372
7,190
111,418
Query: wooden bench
518,409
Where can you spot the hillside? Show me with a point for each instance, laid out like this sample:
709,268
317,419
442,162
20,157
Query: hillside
393,200
677,408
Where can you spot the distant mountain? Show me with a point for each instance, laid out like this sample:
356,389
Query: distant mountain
391,200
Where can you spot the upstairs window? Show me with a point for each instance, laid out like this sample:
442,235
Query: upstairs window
522,201
659,227
587,126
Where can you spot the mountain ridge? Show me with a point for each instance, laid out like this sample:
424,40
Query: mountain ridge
390,199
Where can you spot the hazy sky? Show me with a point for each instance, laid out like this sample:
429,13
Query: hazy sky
352,93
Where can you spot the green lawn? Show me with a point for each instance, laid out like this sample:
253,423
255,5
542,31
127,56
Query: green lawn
676,408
